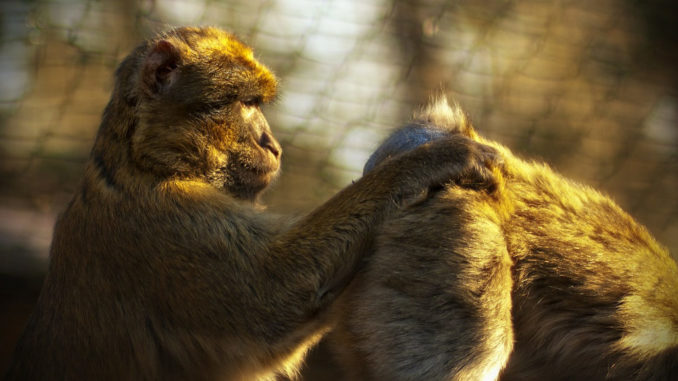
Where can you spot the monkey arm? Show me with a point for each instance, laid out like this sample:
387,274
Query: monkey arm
307,266
330,240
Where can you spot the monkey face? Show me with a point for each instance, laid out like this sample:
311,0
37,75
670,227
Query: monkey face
253,153
200,92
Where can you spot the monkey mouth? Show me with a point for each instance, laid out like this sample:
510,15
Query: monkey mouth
262,171
266,174
250,183
269,162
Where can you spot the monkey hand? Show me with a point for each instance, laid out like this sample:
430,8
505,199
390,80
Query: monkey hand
454,160
482,167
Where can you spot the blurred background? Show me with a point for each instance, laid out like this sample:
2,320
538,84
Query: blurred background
591,87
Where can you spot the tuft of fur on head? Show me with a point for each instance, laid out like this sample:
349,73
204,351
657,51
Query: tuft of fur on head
441,114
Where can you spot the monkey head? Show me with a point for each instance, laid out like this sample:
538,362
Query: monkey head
193,97
435,121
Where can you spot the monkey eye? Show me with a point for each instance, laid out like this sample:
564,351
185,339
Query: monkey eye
251,101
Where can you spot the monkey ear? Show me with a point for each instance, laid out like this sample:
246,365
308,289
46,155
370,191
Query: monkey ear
160,67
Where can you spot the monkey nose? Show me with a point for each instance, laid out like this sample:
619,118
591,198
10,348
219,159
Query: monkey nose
267,141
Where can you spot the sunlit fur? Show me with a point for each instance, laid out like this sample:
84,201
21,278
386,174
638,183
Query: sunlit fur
165,267
540,278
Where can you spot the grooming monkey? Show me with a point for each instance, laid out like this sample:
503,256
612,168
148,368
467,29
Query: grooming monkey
535,278
164,266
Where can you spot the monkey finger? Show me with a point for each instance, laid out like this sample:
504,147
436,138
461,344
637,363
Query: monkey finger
492,158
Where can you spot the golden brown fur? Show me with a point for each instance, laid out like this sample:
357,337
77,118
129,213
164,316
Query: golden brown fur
164,267
539,279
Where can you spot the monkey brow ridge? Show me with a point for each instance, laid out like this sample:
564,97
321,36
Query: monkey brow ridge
218,42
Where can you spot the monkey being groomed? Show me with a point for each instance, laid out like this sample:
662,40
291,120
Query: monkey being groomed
164,267
533,278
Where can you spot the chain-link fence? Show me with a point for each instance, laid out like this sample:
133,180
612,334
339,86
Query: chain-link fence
588,86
